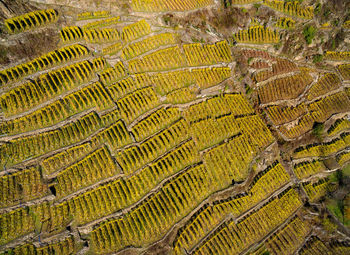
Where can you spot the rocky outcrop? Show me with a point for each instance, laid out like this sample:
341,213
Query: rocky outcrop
4,10
10,8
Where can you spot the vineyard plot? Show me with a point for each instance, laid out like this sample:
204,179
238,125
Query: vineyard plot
134,135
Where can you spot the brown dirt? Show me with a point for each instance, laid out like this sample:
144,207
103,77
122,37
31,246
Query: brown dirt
222,20
26,46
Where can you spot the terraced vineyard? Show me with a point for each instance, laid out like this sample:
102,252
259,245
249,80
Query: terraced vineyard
133,138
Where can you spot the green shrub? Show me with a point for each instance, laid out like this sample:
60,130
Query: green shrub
333,44
278,45
257,6
339,175
166,19
3,55
317,58
335,22
248,90
317,9
309,33
326,13
317,129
